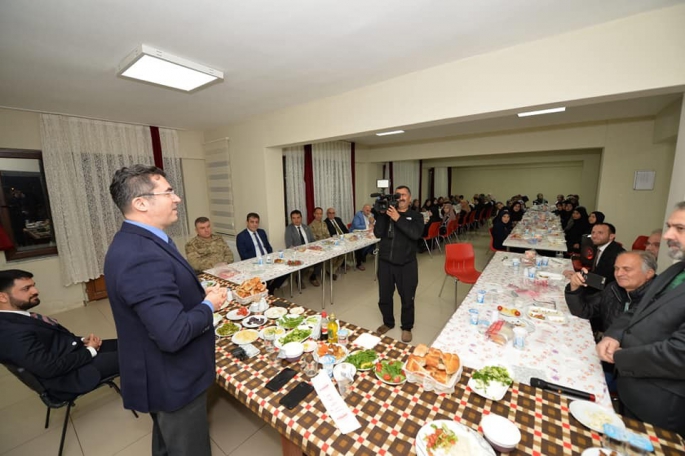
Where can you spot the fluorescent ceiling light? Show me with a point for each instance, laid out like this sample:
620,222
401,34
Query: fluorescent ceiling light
386,133
542,111
151,65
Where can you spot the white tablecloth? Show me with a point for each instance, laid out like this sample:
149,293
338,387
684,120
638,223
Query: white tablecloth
538,230
563,354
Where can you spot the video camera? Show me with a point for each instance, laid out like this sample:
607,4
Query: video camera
383,201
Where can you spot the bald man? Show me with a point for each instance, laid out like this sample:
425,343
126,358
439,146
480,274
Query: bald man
363,221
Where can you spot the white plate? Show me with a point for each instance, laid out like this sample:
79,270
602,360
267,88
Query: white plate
519,321
217,318
309,346
338,360
368,368
474,443
297,310
594,415
246,336
277,341
228,335
313,321
378,375
233,315
260,320
548,315
288,319
595,452
278,331
275,312
495,391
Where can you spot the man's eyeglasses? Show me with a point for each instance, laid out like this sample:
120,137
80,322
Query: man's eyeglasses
168,192
655,244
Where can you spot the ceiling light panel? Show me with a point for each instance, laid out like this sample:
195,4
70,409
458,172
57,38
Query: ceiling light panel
542,111
386,133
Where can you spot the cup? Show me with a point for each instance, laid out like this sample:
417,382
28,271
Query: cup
269,342
309,365
483,325
545,262
342,337
538,262
520,337
280,254
516,262
473,316
531,273
275,360
328,361
343,374
480,297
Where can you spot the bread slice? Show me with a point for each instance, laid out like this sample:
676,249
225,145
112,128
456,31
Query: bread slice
451,362
439,375
433,358
415,365
421,350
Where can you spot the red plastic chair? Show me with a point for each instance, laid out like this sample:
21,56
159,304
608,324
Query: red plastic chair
460,262
433,236
452,229
492,243
640,243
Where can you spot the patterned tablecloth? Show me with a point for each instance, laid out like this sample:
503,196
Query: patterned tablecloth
391,416
537,230
563,354
311,254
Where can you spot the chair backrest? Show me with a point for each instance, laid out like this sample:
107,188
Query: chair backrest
640,243
30,380
433,230
472,216
452,226
459,257
492,241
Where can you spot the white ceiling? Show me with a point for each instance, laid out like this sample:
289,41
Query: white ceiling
61,56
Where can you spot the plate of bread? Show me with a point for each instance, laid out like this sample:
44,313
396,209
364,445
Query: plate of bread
435,369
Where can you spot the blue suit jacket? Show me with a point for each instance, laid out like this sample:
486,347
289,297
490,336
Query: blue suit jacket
166,348
359,222
245,245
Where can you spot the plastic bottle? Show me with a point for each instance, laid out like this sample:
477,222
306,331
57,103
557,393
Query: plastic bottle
332,330
324,327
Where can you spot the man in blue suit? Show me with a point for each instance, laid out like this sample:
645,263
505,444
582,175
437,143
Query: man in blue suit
162,315
253,242
363,221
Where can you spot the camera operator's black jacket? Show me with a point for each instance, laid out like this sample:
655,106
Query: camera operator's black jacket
400,247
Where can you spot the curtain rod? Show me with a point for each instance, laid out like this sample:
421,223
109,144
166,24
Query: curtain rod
90,118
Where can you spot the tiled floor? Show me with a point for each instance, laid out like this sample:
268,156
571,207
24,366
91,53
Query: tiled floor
100,426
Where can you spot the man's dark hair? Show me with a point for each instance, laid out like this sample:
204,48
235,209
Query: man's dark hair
317,207
612,228
131,182
8,277
201,220
252,215
403,187
296,212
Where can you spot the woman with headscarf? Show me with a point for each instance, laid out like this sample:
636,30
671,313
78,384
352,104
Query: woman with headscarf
578,229
501,227
516,212
566,213
448,215
594,218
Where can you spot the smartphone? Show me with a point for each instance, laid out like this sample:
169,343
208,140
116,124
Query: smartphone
281,379
296,395
595,280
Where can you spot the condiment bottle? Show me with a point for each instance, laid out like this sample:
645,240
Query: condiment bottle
324,327
332,330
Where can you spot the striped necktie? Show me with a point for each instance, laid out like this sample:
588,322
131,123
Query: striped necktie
48,320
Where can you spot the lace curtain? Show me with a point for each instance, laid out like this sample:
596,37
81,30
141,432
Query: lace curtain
80,157
220,186
440,176
294,181
406,173
333,177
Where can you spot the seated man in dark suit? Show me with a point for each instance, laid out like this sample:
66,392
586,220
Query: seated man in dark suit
603,235
336,227
297,234
66,365
253,242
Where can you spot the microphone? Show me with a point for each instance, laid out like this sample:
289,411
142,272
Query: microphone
560,389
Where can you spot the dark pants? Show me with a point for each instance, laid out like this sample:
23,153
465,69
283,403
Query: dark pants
275,284
406,279
360,255
107,359
182,432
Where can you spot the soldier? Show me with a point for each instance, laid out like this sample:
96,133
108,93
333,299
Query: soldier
206,250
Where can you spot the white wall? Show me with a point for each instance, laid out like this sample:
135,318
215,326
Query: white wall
637,55
21,130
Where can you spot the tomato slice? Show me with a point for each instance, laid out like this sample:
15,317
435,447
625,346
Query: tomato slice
499,307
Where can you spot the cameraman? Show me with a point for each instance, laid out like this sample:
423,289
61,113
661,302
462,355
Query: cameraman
398,229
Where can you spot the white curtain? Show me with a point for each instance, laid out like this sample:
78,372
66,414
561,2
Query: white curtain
440,176
406,173
295,197
333,177
81,156
220,186
171,160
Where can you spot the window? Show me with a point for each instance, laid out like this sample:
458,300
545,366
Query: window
24,205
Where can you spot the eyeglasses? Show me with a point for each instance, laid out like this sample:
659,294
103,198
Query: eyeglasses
655,244
168,192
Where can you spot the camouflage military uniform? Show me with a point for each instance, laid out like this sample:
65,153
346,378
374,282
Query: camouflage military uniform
205,253
320,231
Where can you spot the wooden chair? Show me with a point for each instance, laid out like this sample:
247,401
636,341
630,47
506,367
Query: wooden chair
51,402
460,261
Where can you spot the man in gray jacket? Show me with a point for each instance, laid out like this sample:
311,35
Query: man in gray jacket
648,346
296,234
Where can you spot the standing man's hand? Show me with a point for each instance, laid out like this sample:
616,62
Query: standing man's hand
217,296
393,214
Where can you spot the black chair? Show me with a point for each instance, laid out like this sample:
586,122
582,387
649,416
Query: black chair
51,402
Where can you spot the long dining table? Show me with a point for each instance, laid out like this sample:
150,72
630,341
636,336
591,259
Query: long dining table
296,259
392,415
539,230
